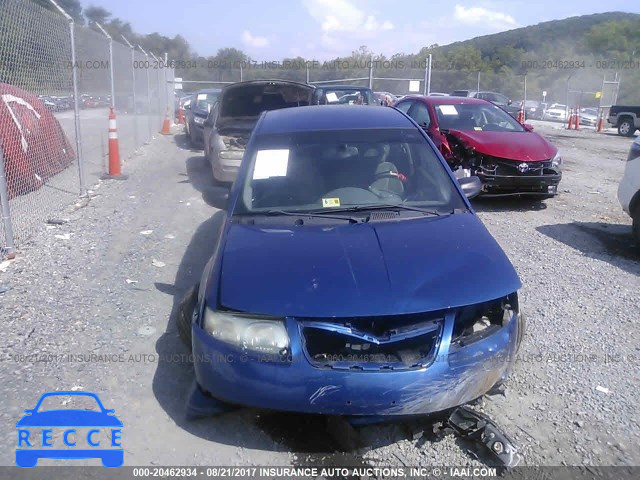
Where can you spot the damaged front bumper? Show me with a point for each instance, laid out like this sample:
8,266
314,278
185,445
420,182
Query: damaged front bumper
448,374
520,184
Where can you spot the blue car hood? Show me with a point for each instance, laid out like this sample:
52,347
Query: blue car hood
384,268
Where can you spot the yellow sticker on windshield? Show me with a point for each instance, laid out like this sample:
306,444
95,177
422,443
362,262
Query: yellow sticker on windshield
330,202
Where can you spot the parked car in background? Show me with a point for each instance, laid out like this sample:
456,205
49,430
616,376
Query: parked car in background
556,112
625,118
48,102
589,117
385,98
496,98
408,306
531,109
197,112
231,120
478,138
629,188
344,94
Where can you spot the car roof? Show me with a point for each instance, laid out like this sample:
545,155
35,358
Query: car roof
266,82
331,117
437,100
209,90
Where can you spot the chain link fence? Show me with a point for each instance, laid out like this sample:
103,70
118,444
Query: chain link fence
57,84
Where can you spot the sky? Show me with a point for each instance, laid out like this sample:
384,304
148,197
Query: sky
325,29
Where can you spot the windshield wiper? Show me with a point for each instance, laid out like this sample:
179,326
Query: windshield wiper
310,214
389,206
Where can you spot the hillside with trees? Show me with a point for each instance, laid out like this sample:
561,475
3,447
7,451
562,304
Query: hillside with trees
570,56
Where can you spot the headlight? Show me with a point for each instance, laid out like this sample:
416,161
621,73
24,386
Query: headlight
198,120
231,155
476,322
556,162
255,333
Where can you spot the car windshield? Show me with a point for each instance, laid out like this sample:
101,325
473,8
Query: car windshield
69,402
203,100
330,170
475,116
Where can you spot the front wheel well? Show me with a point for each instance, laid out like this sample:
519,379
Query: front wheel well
634,204
625,116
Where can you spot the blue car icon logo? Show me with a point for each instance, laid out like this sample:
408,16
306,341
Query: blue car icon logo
32,446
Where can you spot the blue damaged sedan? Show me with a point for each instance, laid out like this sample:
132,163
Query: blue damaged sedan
351,276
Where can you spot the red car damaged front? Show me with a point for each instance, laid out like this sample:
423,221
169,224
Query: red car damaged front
479,139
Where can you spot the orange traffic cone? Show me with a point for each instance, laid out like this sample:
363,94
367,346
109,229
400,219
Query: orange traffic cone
570,126
114,150
600,123
520,116
166,125
180,116
576,126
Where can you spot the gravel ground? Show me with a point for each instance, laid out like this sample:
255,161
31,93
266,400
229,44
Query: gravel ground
97,285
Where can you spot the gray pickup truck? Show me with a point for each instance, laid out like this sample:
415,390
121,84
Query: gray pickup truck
626,118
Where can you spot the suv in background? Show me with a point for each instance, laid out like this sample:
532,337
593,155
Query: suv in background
197,112
626,118
629,188
496,98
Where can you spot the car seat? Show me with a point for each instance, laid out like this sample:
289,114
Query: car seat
465,121
386,180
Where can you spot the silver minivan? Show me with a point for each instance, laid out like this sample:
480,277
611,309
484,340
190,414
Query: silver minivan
232,118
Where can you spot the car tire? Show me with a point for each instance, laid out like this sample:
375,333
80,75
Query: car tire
185,314
192,137
626,127
522,328
635,227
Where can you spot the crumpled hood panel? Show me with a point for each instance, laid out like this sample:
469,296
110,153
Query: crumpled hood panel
519,146
369,269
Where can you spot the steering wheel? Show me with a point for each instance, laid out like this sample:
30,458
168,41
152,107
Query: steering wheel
383,193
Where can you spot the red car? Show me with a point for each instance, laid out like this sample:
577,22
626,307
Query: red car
477,138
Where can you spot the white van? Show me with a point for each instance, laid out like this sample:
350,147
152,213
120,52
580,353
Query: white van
629,189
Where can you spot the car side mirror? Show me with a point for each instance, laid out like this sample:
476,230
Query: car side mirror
509,102
217,197
528,127
187,107
471,186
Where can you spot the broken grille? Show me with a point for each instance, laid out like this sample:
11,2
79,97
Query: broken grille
512,167
383,343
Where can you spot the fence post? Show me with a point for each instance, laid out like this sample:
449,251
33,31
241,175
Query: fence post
148,92
567,105
159,83
133,76
76,102
113,88
371,71
6,212
429,74
478,86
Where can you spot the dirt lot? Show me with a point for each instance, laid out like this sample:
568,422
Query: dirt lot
99,291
